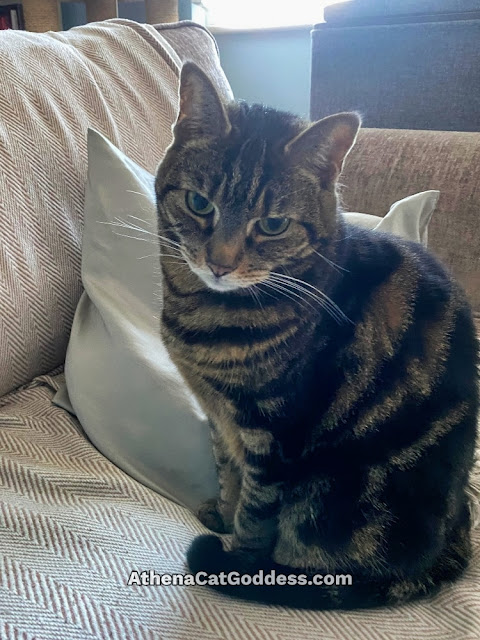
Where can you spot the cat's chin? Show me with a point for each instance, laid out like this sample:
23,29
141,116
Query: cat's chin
223,287
218,284
223,284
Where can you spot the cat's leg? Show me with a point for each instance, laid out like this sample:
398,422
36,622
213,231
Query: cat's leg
254,534
218,513
255,523
256,516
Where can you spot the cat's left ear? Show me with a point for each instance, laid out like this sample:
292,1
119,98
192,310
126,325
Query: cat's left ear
324,145
201,111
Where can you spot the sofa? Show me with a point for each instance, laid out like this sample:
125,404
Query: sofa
73,526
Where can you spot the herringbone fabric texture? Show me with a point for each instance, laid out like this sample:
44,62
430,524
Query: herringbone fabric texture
73,526
118,77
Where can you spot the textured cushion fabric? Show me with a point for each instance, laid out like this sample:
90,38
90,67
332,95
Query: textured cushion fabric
408,218
118,77
191,41
129,396
73,526
386,165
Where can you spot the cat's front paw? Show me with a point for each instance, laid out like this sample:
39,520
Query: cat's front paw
206,553
209,515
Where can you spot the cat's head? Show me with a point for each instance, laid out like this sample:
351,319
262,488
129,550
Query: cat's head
247,190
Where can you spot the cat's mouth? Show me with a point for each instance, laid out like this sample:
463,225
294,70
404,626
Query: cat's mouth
218,283
228,282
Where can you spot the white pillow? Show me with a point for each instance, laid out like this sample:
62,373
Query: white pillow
123,387
408,218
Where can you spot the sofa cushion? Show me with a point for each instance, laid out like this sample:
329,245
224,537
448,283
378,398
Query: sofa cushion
73,526
118,77
387,164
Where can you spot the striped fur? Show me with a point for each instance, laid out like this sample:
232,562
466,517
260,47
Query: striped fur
343,399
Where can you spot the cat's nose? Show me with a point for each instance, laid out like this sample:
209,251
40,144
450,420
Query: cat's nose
220,270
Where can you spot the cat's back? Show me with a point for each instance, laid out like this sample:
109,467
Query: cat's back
412,340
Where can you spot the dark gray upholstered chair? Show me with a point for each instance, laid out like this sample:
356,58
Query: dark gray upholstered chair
404,64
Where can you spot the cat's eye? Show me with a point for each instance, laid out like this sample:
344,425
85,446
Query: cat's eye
199,205
273,226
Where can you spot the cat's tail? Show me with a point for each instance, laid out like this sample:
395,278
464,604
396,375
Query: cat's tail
207,555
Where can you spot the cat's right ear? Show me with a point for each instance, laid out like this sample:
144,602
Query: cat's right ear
324,145
201,111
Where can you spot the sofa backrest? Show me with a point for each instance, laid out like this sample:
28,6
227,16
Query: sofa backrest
118,77
386,165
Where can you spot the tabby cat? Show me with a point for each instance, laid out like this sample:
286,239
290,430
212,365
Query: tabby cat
337,365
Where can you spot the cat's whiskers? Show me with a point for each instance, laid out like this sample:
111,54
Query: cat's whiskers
265,292
346,237
161,241
322,303
254,293
304,283
276,286
334,265
305,287
150,255
163,255
250,291
118,222
149,222
301,295
144,195
126,235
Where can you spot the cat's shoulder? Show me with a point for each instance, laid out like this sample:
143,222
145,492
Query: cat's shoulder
382,260
377,250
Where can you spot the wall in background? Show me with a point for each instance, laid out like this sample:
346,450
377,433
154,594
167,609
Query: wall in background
271,67
74,13
185,9
267,66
